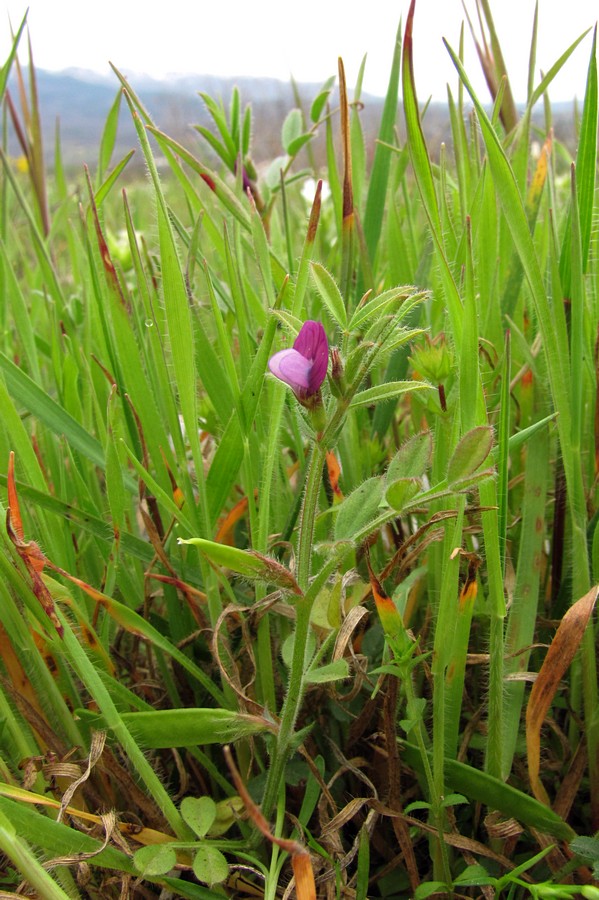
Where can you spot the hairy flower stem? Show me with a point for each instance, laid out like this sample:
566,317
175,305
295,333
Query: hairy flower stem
441,855
295,690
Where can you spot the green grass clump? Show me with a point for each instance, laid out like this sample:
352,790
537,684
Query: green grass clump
350,585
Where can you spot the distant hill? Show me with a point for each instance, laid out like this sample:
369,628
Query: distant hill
79,101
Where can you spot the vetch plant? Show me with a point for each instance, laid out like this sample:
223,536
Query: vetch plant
347,557
373,332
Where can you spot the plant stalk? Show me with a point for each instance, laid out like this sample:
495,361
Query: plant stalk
295,690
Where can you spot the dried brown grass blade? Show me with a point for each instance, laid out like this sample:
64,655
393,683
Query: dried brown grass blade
559,656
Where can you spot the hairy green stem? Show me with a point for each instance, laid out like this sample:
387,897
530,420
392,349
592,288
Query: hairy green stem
441,859
295,690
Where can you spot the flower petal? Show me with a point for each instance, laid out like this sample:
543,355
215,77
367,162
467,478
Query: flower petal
312,343
311,334
292,368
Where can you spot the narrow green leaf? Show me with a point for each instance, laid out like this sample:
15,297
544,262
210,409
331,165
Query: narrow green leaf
421,164
319,102
104,189
413,457
176,302
5,71
37,239
56,838
377,306
387,391
218,115
379,176
470,453
118,500
296,145
292,129
109,133
428,888
362,880
329,291
475,876
38,402
359,508
334,671
586,170
246,131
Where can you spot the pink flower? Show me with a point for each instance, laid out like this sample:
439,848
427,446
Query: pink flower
304,366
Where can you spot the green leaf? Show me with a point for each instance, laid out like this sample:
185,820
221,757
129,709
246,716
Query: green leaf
291,322
355,360
176,302
416,806
287,648
38,402
292,129
470,453
520,437
417,713
210,865
587,847
118,500
475,876
454,800
326,609
199,813
586,168
296,145
225,466
413,457
5,71
379,177
239,561
387,391
321,98
378,306
246,133
109,134
428,888
362,880
227,813
330,293
423,171
401,492
334,671
359,508
155,859
111,179
217,112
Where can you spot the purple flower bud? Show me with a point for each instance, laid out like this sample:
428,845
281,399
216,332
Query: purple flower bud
304,366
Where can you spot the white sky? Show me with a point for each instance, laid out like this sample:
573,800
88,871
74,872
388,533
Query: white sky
279,38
